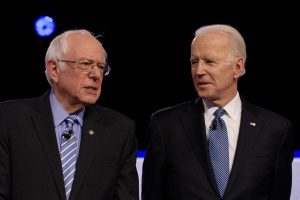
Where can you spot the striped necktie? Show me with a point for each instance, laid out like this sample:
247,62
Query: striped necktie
68,154
219,151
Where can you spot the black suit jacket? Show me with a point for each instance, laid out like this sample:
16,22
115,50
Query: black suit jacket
177,165
30,166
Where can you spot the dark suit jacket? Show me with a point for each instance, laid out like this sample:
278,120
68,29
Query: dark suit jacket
177,164
30,166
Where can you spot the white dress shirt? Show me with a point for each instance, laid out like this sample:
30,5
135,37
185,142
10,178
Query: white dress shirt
232,119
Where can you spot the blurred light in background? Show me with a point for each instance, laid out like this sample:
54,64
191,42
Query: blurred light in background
44,26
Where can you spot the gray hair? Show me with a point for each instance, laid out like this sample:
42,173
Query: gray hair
59,47
236,40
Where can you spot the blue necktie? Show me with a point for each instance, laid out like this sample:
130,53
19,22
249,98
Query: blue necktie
68,154
219,151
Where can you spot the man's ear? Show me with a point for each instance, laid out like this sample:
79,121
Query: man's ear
52,69
239,67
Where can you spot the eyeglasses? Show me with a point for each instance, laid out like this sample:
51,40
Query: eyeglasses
87,65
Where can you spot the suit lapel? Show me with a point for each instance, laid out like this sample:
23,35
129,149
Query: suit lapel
91,132
249,131
194,125
43,122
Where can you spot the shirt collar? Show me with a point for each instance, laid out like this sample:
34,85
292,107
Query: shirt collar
60,114
233,108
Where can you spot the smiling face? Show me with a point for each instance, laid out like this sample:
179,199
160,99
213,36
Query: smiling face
73,87
214,69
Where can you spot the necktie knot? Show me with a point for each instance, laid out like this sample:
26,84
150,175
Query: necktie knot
70,121
219,112
217,120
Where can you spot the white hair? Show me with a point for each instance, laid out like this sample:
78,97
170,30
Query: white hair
59,47
236,40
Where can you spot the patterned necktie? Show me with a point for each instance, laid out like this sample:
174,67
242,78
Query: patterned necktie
219,151
68,154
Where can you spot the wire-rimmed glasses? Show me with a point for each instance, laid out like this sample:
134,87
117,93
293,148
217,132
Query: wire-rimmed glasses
88,65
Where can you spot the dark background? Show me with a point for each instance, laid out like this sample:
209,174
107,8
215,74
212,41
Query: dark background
148,46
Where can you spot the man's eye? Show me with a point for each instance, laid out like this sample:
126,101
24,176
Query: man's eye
86,63
207,61
194,62
100,66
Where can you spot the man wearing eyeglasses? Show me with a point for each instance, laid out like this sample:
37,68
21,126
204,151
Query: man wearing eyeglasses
62,145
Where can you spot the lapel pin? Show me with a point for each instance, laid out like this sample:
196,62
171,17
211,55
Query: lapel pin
252,124
91,132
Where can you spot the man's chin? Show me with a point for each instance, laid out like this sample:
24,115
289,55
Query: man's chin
203,94
90,99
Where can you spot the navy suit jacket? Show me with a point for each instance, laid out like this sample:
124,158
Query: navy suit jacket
30,166
177,165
